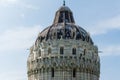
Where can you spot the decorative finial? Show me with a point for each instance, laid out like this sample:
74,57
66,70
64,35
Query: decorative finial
63,2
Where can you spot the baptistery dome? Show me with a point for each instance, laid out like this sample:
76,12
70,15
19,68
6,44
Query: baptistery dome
63,51
64,27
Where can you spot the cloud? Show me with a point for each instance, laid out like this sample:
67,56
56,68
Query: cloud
7,2
22,15
18,3
29,6
13,75
105,26
109,50
18,38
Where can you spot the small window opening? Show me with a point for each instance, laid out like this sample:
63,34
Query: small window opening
61,50
74,72
61,17
49,51
74,51
52,72
39,53
66,16
84,51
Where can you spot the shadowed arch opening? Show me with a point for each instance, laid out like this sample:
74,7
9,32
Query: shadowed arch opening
74,51
61,50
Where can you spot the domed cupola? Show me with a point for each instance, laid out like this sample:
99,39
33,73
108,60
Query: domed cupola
64,27
63,51
64,15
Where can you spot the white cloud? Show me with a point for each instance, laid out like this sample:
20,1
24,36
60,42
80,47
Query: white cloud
7,2
105,26
18,3
18,38
22,15
113,50
13,75
29,6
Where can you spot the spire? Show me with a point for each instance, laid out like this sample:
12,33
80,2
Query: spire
63,2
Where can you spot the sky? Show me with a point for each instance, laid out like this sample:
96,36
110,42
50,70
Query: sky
22,20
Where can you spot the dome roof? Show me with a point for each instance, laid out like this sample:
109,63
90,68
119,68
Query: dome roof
64,8
64,27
